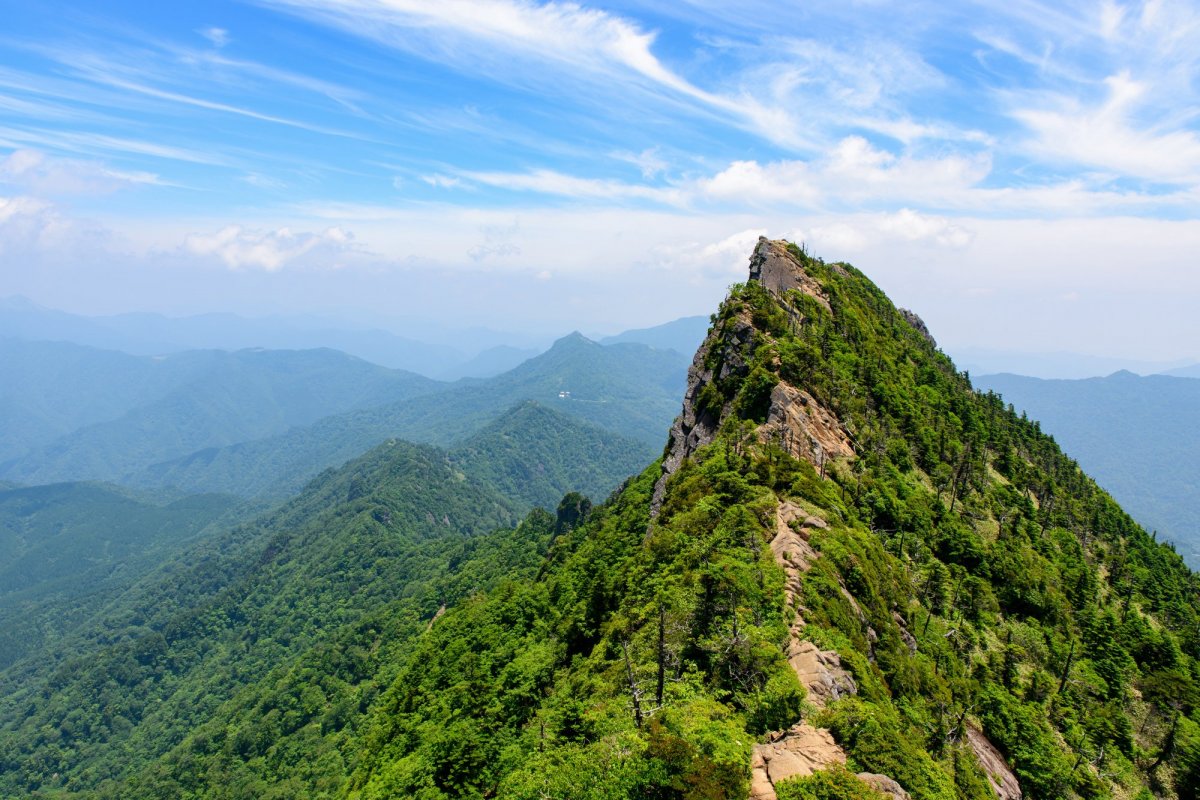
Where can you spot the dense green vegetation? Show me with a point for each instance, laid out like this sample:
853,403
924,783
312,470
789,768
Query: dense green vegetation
65,549
1139,437
533,454
359,539
383,644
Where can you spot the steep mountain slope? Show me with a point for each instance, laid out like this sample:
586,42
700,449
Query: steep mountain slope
1138,436
65,548
631,390
838,515
217,399
361,538
850,576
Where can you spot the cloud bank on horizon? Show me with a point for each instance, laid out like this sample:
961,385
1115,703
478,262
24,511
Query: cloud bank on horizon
603,165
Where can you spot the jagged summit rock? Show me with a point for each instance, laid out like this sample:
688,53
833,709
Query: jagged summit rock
793,417
776,265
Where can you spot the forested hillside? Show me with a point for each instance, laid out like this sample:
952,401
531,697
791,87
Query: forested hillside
850,576
1138,436
65,549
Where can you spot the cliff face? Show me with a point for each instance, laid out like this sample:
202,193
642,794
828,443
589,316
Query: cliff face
794,419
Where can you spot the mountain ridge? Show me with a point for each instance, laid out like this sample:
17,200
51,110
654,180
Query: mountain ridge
850,576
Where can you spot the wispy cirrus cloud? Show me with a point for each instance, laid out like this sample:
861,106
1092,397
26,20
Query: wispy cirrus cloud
515,40
40,175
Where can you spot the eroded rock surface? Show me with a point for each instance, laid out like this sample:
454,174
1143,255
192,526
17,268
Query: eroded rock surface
821,673
1000,777
795,419
804,428
919,324
884,785
791,549
778,271
795,753
696,426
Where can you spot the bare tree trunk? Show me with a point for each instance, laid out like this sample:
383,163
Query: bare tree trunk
662,655
634,692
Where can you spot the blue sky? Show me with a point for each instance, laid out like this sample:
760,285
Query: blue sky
1021,173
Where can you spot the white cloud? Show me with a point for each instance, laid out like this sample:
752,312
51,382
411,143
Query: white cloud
34,233
240,248
836,240
514,40
1107,135
13,207
39,174
439,181
218,37
648,162
550,182
913,226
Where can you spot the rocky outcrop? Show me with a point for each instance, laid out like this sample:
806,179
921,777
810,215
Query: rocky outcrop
722,356
884,785
774,266
795,420
792,551
991,761
821,673
919,324
795,753
804,428
799,752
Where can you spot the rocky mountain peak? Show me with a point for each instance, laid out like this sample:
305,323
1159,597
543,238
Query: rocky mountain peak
779,266
786,414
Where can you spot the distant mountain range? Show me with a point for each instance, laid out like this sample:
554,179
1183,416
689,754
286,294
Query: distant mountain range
264,422
682,335
1060,365
1138,435
429,349
78,413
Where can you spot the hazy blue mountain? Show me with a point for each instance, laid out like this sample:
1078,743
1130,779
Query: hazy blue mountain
1051,365
427,347
66,548
628,389
1139,436
189,401
683,335
53,388
492,361
1190,371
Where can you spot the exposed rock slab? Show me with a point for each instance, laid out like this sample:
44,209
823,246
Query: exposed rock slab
778,271
918,324
884,785
1000,776
796,753
821,673
804,428
791,549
